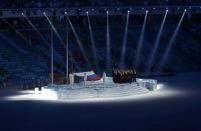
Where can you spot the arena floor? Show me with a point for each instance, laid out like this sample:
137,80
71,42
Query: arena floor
176,106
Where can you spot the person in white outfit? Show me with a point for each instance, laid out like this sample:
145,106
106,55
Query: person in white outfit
104,77
71,77
85,78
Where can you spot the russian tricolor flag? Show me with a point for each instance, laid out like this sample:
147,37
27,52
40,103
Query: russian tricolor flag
91,76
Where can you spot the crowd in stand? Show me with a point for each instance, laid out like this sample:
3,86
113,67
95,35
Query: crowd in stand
120,76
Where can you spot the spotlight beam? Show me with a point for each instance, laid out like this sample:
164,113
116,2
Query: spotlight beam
10,41
68,52
169,46
54,29
156,43
56,32
108,52
34,27
78,40
39,33
92,42
16,31
124,41
140,41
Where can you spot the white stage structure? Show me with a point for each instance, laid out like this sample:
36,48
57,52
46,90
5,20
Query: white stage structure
99,89
91,89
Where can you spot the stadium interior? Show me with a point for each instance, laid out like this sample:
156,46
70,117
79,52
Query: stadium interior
43,41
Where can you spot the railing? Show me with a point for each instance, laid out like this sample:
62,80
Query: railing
81,11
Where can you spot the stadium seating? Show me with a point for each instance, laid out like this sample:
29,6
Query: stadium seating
29,63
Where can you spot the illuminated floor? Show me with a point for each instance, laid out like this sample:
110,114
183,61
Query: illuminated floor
84,95
175,106
91,91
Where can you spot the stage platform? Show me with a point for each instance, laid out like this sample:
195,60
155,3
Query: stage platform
98,89
88,91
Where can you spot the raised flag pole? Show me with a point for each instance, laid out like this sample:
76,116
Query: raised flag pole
66,52
52,59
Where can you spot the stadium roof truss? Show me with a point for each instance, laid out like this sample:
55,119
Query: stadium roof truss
82,11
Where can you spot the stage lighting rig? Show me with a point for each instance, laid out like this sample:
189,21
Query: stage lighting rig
9,13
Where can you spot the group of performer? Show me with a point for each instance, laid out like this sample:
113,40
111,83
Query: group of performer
119,76
124,75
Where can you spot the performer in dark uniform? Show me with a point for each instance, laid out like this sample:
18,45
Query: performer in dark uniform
124,76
